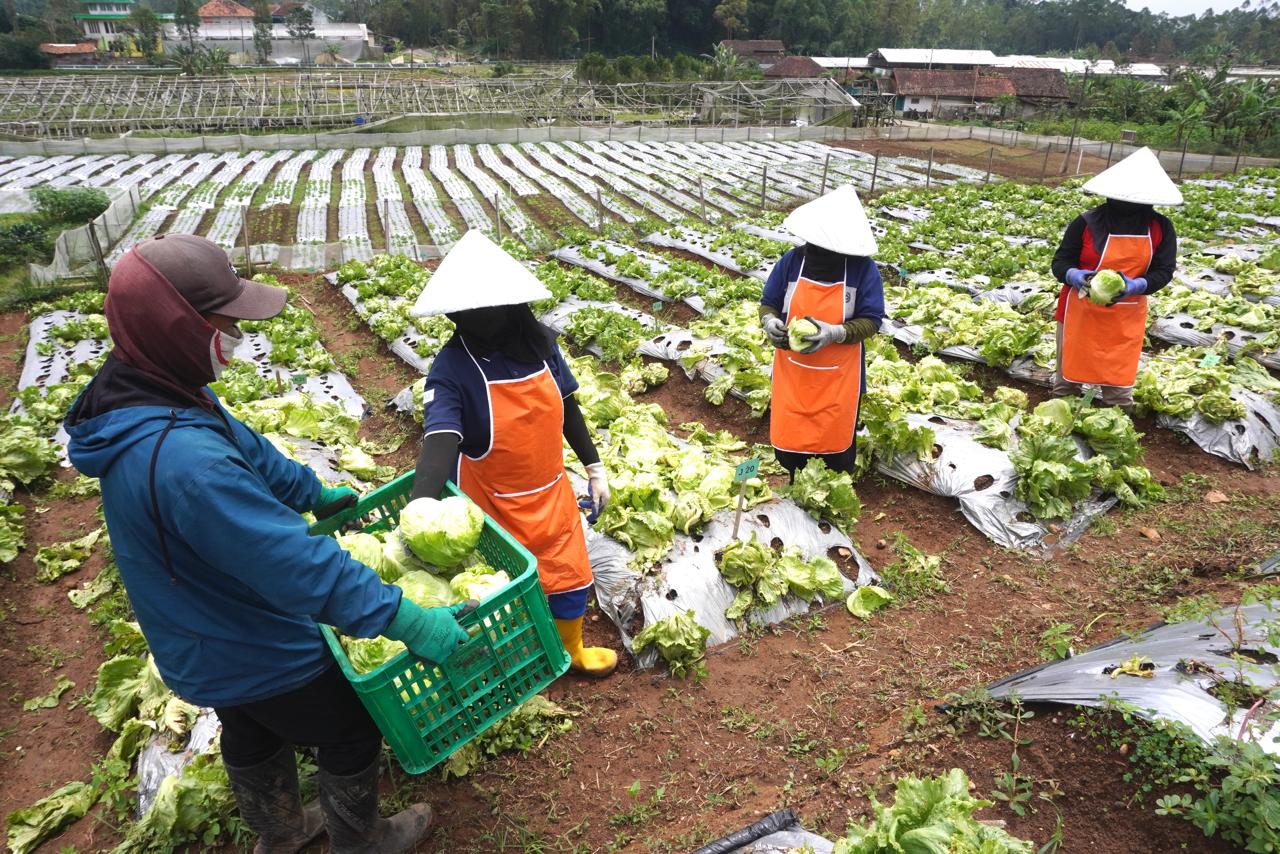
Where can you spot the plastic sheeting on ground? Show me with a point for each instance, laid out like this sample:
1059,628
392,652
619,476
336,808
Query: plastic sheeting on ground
696,244
1270,566
572,255
44,371
1185,661
405,346
982,479
687,577
1184,329
1251,441
157,761
777,833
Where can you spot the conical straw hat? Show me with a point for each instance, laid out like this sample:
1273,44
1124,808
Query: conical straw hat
1139,178
477,274
836,222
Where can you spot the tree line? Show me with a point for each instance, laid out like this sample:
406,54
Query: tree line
562,29
559,29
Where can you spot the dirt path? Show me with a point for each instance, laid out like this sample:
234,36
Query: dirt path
1007,161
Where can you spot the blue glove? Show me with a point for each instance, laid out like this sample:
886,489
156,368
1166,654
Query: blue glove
828,333
1132,288
430,633
333,499
1079,279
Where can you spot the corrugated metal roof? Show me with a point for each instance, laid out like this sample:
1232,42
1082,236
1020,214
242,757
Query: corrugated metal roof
841,61
938,56
1142,69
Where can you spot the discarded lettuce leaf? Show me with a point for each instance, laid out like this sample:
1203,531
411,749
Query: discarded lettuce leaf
681,642
866,600
27,828
53,562
50,700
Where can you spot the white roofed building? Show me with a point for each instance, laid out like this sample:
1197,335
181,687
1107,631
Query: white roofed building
942,59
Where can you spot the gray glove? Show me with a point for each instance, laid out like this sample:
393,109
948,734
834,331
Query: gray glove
776,331
828,333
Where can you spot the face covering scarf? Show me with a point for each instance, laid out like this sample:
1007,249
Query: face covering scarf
509,329
221,347
157,332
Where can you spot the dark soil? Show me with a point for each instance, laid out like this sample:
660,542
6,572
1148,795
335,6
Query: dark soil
276,224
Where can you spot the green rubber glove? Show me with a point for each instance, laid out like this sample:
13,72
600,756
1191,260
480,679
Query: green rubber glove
333,499
430,633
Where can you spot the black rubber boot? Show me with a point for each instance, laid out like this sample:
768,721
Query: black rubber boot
351,815
267,795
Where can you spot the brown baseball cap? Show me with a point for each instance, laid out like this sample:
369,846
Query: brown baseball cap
200,270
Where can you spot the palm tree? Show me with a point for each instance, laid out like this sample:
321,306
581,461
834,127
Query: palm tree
215,61
187,59
1187,120
725,63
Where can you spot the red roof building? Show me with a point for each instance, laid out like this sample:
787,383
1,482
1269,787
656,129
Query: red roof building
55,49
794,66
759,51
61,55
968,85
223,11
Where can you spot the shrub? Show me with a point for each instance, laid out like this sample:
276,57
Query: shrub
74,205
23,241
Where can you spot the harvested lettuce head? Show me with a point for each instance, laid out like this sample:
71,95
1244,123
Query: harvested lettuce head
427,590
479,583
799,331
368,549
368,654
441,532
1105,286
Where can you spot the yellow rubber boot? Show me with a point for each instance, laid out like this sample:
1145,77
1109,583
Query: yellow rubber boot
594,661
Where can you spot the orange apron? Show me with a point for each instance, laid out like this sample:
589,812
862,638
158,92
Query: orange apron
521,482
1101,344
815,397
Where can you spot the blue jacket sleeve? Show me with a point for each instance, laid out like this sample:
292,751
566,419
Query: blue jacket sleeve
562,373
229,516
870,300
775,287
293,484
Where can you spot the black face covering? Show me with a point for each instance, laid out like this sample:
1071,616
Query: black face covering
1115,217
823,265
509,329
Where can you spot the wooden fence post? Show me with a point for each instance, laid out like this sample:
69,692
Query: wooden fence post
248,243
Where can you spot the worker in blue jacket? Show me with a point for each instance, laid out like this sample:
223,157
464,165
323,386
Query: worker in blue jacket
228,587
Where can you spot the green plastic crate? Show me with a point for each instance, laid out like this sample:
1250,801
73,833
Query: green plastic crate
427,712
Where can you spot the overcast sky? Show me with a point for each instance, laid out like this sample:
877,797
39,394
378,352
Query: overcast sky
1182,7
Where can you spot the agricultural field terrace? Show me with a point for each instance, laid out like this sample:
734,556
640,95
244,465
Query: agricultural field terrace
855,641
